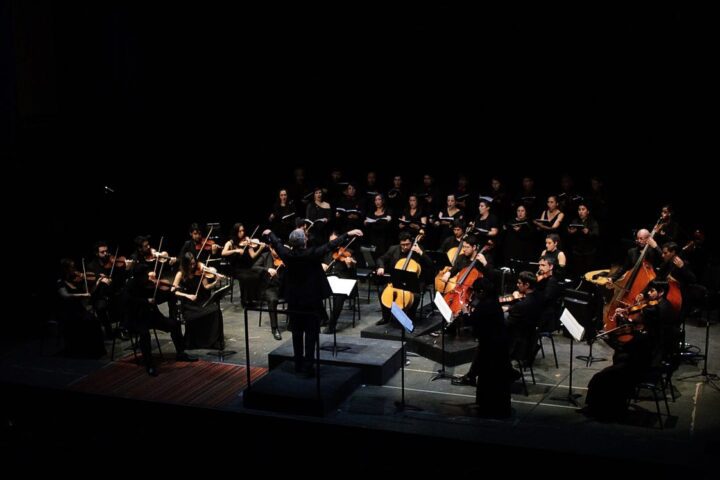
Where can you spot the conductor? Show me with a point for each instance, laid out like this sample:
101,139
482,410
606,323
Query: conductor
306,286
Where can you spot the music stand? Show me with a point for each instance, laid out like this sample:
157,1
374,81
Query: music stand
406,324
581,305
577,332
709,377
344,287
216,296
447,315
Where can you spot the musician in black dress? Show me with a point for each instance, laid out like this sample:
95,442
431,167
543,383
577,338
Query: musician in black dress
282,218
242,253
583,235
413,218
447,217
519,241
203,321
319,212
81,330
271,271
487,229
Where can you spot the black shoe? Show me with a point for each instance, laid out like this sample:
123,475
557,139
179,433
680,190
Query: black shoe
514,375
382,321
276,334
184,357
464,380
329,330
151,371
121,334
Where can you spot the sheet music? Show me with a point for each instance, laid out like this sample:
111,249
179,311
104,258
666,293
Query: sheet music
341,286
285,217
402,317
572,325
445,311
372,220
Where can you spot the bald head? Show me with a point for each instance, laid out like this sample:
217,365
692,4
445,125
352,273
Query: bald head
642,237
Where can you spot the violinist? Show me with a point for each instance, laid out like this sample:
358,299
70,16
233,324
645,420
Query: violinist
203,322
391,258
143,314
339,263
522,317
642,238
242,252
680,270
550,291
158,265
306,287
82,332
270,270
110,275
654,339
199,244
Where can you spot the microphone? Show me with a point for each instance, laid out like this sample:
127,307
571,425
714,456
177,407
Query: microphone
108,189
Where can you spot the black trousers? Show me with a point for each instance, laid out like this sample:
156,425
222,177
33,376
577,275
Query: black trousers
153,318
272,296
305,325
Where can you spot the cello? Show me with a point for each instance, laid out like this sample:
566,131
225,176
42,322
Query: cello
461,294
452,254
633,283
402,298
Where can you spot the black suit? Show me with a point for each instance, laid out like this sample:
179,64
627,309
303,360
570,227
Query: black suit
306,286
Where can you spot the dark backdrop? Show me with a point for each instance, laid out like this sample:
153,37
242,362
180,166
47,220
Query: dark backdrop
118,94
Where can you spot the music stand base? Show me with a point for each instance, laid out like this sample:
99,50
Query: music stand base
589,359
442,373
570,398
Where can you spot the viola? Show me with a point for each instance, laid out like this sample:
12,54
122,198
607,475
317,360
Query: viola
78,276
162,285
342,253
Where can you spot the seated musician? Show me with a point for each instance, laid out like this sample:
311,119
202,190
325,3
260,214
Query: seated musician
242,252
642,238
390,259
107,289
340,264
199,244
468,253
453,241
269,268
522,317
203,323
610,389
549,289
81,330
158,264
143,314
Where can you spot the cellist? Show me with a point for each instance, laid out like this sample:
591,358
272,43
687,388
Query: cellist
392,257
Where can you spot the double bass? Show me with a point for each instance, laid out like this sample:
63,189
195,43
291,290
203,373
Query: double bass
630,285
402,298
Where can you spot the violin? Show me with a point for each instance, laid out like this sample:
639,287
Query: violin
252,242
211,272
206,244
162,285
277,261
641,306
78,276
342,253
113,261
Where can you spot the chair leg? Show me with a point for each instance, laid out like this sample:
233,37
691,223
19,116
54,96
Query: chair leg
157,341
522,377
112,350
542,349
552,343
657,406
260,315
532,374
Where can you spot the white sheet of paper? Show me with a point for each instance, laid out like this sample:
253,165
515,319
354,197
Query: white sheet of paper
402,317
442,305
572,325
341,286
